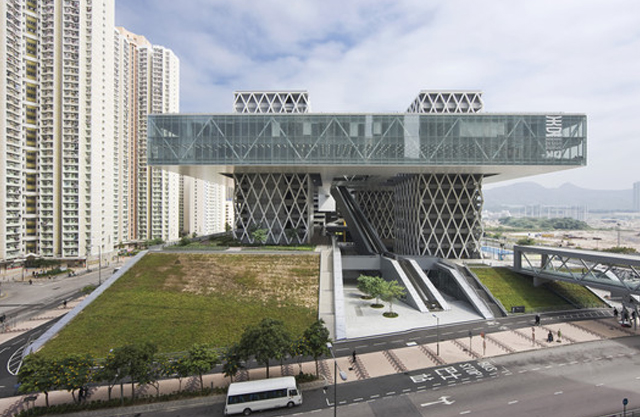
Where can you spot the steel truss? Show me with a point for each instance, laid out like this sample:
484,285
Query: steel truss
589,268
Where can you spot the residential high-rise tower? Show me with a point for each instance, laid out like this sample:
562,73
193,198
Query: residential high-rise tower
56,119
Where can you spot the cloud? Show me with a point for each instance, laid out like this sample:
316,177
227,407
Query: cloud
575,56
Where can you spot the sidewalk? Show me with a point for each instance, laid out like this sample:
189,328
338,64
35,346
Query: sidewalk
368,365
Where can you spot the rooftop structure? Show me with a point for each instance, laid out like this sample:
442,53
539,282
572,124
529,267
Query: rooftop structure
416,176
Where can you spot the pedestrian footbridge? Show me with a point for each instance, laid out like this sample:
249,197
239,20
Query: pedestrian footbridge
613,272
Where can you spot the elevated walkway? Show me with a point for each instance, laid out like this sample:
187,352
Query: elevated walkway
617,273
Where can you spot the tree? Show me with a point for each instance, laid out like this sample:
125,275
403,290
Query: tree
526,241
292,236
178,368
268,340
316,337
159,369
38,374
74,372
109,373
200,359
135,361
259,236
232,361
389,291
372,286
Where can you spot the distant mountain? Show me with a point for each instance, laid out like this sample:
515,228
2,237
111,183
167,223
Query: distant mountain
530,193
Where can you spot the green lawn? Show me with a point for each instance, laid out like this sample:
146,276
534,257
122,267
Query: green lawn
178,299
512,289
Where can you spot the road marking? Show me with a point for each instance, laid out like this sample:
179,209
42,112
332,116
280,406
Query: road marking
523,371
442,400
390,393
358,399
557,393
465,412
535,369
412,344
4,349
424,386
406,390
512,402
601,384
379,343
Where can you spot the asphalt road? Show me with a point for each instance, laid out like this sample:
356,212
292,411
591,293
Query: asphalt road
583,380
21,300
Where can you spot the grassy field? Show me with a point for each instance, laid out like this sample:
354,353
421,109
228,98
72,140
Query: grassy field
178,299
512,289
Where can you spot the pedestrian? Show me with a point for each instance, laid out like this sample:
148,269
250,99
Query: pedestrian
537,319
559,336
354,356
64,304
550,337
30,282
615,312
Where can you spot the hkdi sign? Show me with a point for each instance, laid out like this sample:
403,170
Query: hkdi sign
553,133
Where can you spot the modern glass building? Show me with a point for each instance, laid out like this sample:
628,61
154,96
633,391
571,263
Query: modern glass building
417,176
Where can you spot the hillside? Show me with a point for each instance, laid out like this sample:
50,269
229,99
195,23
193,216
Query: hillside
530,193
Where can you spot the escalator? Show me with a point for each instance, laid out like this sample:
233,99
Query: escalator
362,232
421,293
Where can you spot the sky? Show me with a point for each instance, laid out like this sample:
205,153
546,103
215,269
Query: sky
543,56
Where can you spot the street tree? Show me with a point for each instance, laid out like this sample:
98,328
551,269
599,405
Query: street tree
200,359
231,361
135,361
74,372
38,374
267,340
316,337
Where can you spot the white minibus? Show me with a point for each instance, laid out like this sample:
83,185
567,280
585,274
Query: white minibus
249,396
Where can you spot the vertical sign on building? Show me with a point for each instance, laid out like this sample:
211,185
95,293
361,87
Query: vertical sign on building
554,133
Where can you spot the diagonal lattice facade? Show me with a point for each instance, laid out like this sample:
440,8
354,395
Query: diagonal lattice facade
378,207
280,203
447,102
271,102
439,215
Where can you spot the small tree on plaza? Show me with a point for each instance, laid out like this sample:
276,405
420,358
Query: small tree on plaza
372,286
391,290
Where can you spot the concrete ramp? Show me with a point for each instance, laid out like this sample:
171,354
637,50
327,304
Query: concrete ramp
392,270
469,293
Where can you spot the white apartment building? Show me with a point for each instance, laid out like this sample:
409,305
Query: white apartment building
57,128
147,199
76,93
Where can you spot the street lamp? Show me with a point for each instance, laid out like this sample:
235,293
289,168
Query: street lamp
343,376
437,334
